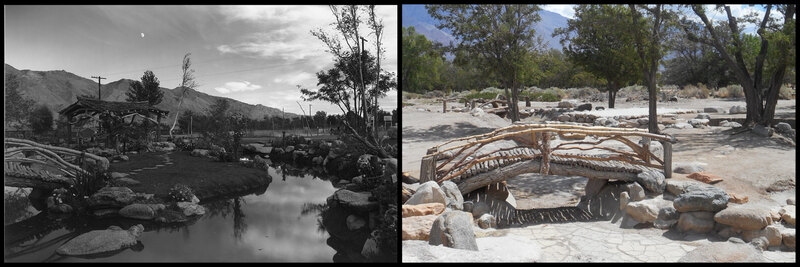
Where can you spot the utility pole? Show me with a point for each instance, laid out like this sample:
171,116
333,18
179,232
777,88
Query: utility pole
98,85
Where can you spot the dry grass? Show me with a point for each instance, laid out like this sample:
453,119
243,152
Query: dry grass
731,91
699,91
786,93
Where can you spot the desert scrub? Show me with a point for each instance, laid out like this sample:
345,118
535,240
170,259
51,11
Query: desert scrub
731,91
410,95
181,193
481,95
700,91
545,97
581,93
786,93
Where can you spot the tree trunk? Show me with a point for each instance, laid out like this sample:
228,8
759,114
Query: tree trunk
514,104
612,95
652,115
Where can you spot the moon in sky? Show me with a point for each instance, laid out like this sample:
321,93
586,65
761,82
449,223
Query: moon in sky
142,35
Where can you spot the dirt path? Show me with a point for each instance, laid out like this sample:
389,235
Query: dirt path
749,165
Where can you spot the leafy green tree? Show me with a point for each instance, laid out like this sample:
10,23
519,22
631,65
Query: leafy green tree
502,39
41,120
17,107
421,62
601,42
776,54
146,90
648,35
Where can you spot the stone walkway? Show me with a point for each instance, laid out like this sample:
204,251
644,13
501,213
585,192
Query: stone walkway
167,161
607,242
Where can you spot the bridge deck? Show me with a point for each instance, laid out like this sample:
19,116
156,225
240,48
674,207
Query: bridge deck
17,174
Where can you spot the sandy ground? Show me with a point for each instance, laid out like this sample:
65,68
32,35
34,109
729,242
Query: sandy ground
748,164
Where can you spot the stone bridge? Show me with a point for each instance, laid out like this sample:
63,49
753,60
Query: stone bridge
599,153
30,164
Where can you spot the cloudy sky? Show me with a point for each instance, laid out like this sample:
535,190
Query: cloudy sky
713,14
254,54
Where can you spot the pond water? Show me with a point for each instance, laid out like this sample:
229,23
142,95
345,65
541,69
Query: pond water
281,224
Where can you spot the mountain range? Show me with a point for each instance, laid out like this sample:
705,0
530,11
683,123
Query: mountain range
58,89
417,16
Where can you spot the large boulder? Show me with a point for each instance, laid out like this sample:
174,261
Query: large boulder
453,229
429,192
667,216
696,221
788,214
582,107
354,222
723,252
701,198
452,195
760,130
783,127
141,211
677,187
355,201
422,209
698,123
714,110
646,210
417,227
771,233
652,180
569,103
99,241
112,197
636,191
190,208
687,167
487,221
744,217
788,236
738,110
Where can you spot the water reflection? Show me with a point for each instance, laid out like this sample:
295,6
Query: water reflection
262,225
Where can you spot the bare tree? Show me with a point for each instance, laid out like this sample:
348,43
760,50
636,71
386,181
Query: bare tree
187,82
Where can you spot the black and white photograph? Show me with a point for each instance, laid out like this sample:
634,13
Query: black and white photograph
201,133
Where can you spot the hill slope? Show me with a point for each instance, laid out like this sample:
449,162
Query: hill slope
417,16
58,89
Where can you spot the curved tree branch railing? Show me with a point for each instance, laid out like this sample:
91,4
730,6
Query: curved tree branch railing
457,160
26,160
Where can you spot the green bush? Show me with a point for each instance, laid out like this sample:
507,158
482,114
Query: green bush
181,193
546,97
481,95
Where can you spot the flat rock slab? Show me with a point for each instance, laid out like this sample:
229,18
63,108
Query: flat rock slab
99,241
493,249
724,252
357,201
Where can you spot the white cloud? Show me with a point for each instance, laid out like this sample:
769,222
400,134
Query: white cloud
294,79
563,10
237,87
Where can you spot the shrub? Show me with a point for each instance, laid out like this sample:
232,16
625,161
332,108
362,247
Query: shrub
731,91
786,93
482,95
699,91
545,97
181,193
86,184
409,95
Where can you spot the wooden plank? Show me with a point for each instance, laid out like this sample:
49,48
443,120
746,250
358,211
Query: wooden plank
667,159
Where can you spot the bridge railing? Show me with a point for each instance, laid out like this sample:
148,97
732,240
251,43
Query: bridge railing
452,158
68,162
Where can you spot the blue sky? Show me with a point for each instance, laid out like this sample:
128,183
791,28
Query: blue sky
254,54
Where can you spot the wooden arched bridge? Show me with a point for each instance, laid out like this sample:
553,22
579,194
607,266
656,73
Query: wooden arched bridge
30,164
594,152
598,153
